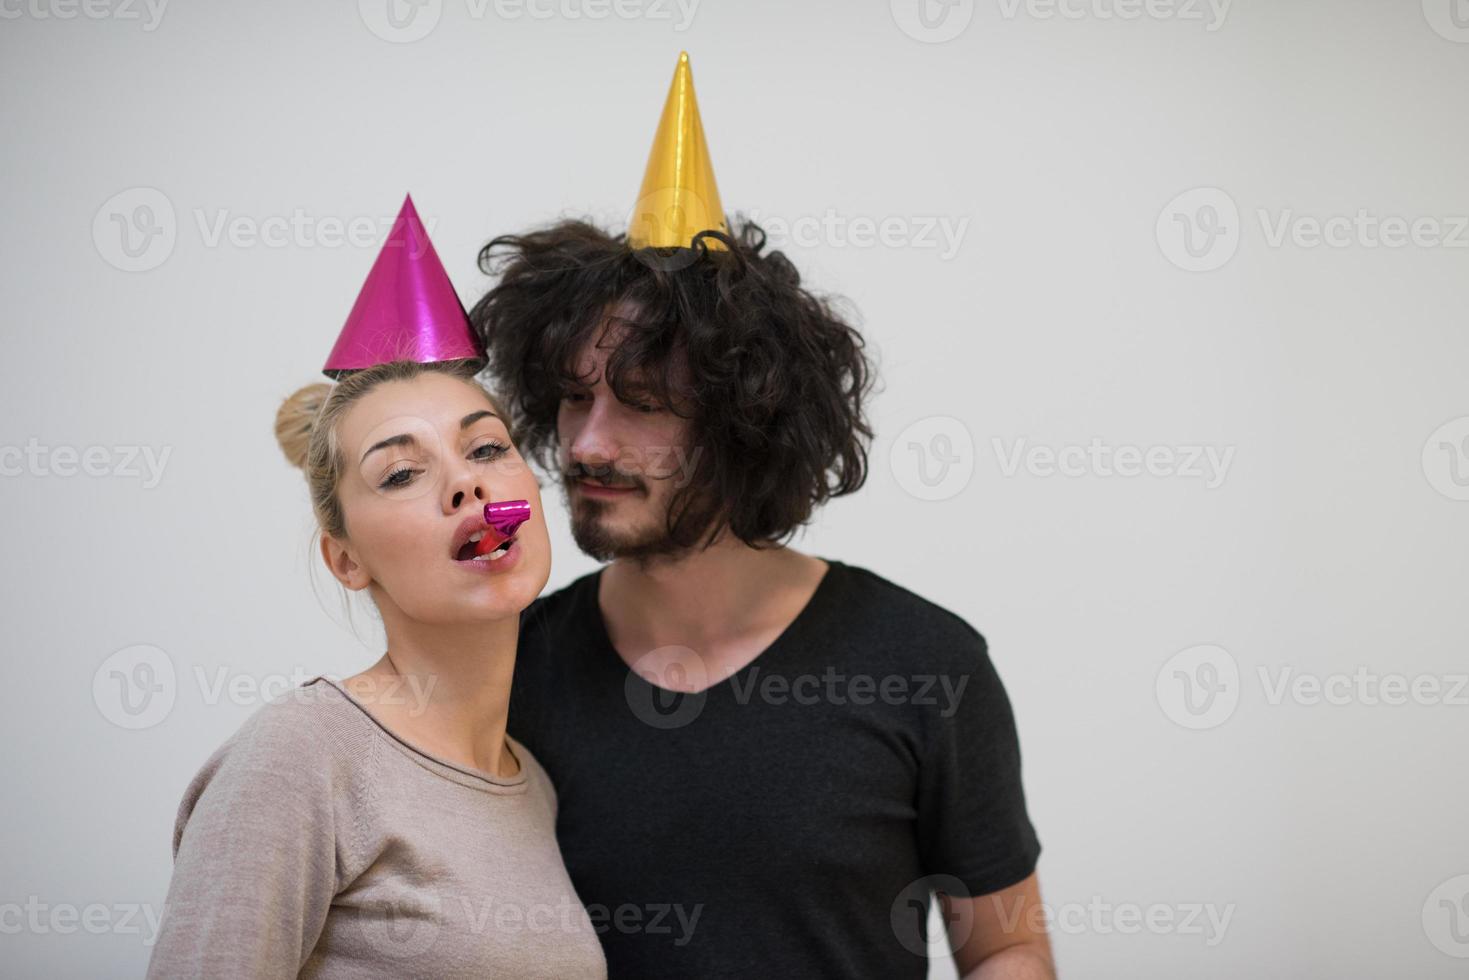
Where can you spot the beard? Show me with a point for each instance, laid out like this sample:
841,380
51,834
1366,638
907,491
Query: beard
594,535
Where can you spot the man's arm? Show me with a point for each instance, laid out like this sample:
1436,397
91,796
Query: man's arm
1002,935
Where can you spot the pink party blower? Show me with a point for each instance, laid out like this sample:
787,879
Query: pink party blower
505,518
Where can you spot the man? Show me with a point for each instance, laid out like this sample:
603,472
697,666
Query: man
765,761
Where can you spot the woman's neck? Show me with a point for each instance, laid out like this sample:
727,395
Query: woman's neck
446,689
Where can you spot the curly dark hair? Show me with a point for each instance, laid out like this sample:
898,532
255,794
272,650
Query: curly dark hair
779,380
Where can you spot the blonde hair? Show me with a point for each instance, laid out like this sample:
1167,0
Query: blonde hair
306,427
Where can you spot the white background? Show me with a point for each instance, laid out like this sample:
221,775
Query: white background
1072,309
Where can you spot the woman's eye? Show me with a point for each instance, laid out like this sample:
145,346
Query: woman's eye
489,451
400,477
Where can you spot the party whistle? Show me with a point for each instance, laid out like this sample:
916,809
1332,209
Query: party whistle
505,519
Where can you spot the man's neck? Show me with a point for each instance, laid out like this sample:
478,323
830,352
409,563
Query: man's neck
727,602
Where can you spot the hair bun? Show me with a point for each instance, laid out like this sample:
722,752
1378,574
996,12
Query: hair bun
294,419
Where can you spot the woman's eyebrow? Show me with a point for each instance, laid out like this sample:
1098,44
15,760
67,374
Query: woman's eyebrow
406,439
474,417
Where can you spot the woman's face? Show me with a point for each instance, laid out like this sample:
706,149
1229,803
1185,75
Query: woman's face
423,457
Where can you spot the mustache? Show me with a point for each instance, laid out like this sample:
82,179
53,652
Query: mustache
607,475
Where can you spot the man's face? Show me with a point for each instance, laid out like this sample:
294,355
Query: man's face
623,461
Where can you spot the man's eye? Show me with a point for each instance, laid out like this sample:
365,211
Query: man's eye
573,396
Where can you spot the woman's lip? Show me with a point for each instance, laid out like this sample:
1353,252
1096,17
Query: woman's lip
511,559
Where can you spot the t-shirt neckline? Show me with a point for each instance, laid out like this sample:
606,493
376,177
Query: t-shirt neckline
464,775
810,611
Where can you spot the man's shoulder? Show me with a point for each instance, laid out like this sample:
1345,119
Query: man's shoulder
880,608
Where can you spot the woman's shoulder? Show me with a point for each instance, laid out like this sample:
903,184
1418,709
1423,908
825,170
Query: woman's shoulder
312,724
305,742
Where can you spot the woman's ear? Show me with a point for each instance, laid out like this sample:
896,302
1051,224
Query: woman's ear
343,564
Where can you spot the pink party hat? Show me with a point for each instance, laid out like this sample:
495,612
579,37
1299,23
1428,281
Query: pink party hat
407,309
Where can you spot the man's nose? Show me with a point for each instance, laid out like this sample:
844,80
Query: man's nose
593,443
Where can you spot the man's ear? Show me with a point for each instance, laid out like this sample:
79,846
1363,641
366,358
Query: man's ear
343,564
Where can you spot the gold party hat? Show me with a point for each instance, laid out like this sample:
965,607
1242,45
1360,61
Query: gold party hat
679,198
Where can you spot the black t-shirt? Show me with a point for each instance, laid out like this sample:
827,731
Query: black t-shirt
787,821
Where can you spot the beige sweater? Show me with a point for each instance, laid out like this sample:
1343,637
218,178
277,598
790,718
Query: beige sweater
315,843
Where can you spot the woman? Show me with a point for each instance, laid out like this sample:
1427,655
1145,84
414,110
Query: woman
386,825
